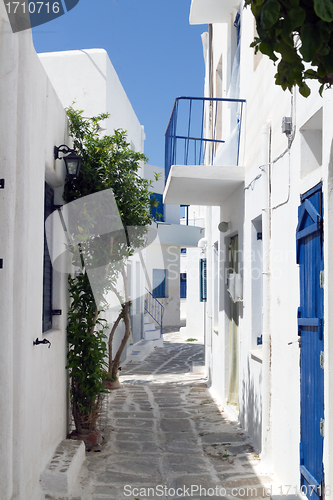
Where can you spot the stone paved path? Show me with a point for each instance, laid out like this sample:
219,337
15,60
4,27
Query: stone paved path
166,438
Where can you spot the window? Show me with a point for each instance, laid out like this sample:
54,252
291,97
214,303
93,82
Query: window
47,268
157,212
183,285
159,276
203,280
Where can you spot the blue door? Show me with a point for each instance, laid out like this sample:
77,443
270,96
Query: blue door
309,236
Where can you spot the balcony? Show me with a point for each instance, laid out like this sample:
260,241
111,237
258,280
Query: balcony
202,143
212,11
179,235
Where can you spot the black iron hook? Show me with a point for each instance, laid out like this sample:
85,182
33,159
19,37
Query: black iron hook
44,341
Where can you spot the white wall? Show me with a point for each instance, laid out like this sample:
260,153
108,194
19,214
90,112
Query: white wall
33,379
93,84
149,172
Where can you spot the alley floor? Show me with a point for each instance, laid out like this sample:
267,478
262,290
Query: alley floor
166,438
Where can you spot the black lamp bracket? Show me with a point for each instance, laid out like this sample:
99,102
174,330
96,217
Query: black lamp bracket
44,341
62,149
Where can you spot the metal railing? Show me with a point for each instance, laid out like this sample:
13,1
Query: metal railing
155,309
190,119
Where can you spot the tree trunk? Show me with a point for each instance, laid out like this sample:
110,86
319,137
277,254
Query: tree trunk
126,315
116,361
115,325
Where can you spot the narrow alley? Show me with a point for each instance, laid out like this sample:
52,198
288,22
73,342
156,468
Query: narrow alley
166,438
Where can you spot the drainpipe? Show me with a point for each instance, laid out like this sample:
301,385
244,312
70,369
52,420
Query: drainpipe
210,59
266,440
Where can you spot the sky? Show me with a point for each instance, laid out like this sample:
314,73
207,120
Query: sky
156,53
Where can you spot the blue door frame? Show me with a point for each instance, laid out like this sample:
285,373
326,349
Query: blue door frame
309,237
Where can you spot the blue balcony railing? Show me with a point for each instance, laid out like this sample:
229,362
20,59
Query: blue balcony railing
155,309
198,126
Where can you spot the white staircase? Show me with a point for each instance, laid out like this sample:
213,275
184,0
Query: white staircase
151,339
150,332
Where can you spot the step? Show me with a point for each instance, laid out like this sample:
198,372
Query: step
147,327
60,475
152,334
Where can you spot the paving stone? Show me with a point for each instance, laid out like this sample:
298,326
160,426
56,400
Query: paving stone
190,465
172,425
134,414
179,445
195,482
133,423
240,448
109,477
222,437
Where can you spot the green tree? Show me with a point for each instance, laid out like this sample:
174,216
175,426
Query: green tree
107,163
296,34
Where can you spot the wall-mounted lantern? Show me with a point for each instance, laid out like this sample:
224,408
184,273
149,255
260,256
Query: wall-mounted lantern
72,160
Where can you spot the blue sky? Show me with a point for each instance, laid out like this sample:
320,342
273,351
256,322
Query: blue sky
153,48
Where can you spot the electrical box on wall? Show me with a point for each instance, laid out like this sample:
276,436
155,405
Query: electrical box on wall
287,125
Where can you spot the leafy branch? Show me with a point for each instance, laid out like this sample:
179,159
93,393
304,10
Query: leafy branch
296,34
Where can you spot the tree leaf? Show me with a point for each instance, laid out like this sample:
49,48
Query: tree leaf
324,9
270,14
266,49
296,16
304,90
311,41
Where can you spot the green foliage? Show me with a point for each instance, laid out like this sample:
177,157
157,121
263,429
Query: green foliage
87,351
107,162
295,32
108,377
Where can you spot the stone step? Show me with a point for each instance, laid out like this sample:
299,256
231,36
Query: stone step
152,334
147,327
60,475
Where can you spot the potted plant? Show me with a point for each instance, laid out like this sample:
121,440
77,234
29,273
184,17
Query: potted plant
86,359
110,382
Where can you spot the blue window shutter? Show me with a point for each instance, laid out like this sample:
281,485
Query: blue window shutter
203,280
159,209
159,283
47,267
237,24
183,285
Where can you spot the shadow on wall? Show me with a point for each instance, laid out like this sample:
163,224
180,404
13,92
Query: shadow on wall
251,404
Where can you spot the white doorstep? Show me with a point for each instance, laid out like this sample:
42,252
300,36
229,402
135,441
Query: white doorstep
60,475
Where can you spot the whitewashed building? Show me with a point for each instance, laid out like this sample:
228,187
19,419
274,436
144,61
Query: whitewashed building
92,85
33,379
268,246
